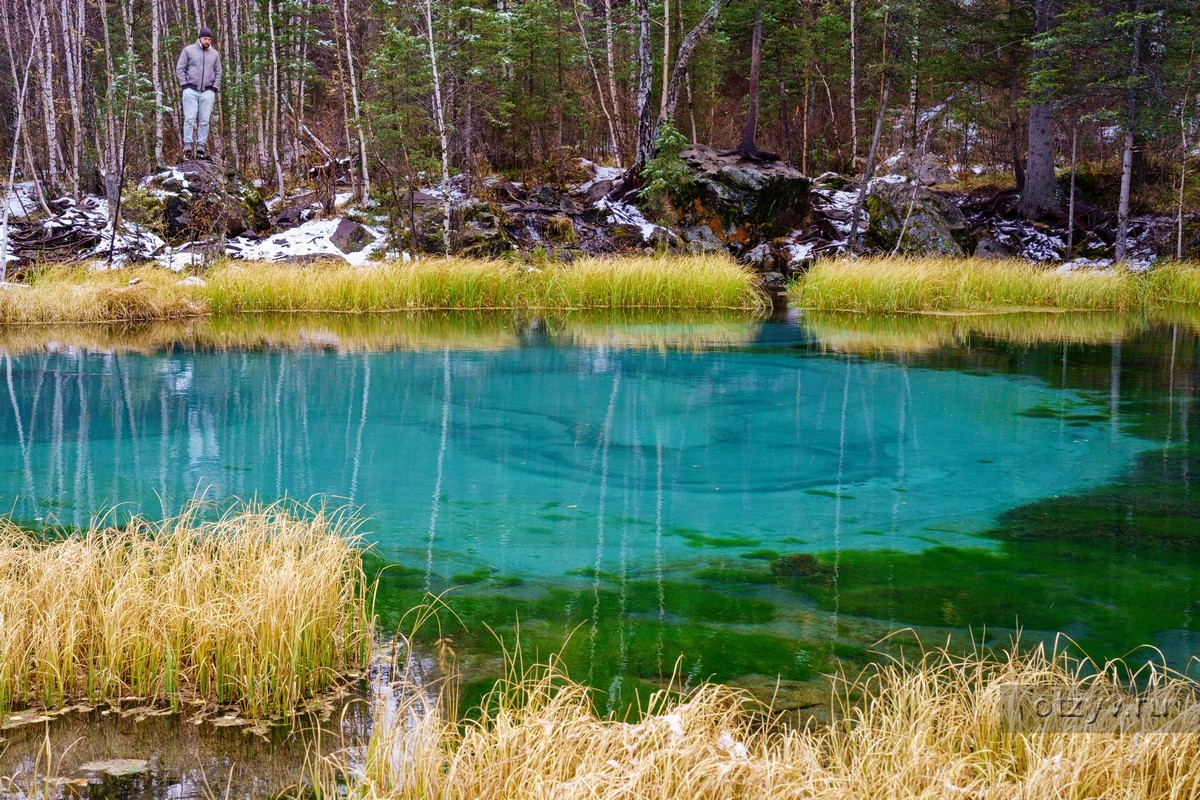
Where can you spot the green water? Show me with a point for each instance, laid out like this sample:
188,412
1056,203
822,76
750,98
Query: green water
631,491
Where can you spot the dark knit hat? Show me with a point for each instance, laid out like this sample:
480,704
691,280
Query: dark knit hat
204,32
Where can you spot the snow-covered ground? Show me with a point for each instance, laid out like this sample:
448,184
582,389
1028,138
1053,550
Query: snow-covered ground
311,238
22,200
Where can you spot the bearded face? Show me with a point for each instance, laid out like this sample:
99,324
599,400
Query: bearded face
205,42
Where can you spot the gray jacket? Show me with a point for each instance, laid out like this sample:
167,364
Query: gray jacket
198,68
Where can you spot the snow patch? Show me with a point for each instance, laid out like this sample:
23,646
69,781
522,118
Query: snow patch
622,213
22,200
310,239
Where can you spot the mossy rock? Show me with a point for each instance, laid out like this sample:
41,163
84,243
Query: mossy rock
561,229
930,224
799,565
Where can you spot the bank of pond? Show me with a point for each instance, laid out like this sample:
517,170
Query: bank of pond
71,293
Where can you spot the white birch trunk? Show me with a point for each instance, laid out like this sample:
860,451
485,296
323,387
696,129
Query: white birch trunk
853,84
156,78
275,99
439,113
358,126
12,165
49,112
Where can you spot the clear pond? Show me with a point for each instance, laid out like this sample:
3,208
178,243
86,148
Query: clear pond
759,499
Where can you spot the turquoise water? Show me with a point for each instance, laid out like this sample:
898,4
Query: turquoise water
641,494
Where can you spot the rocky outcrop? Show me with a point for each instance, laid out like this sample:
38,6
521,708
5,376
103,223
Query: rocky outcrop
200,202
908,218
744,203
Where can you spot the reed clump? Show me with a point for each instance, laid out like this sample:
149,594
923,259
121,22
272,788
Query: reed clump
884,285
72,294
451,283
942,726
261,609
682,282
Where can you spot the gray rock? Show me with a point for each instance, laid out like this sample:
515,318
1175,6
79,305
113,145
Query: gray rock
928,169
762,258
350,237
921,222
743,202
989,247
314,260
701,239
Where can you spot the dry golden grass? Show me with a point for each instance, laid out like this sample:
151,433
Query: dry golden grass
672,282
73,294
884,285
260,609
942,727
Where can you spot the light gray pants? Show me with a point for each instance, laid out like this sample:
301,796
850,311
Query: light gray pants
197,108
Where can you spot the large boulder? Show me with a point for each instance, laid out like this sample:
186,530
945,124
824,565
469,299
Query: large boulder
200,201
914,218
743,202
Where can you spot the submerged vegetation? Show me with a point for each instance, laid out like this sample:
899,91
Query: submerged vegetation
934,726
260,609
877,285
73,295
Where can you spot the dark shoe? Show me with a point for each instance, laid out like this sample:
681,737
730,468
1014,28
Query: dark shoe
187,154
200,154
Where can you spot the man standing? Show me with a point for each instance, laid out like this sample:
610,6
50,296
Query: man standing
199,73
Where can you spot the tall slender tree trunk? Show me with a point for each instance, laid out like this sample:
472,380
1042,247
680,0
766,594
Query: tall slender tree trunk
156,78
785,118
614,98
1014,121
666,62
869,171
614,141
1183,159
109,155
49,112
12,166
74,74
749,148
1071,195
279,186
804,124
439,113
913,94
1135,72
645,128
358,126
1039,197
853,85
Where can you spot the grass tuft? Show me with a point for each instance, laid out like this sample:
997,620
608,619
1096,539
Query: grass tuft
72,294
942,726
885,285
261,609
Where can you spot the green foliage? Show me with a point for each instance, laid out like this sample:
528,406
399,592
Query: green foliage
666,176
